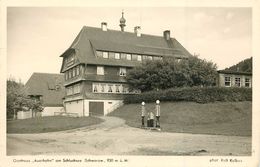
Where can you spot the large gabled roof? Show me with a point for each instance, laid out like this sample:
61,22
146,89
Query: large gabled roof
44,84
91,39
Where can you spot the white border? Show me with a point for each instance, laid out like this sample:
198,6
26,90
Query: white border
250,161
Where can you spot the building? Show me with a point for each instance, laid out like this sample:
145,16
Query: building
48,88
96,64
227,78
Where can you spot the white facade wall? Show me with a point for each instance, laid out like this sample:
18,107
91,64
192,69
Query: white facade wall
51,111
75,107
81,107
24,114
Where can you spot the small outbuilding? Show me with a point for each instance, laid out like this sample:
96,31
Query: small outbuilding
227,78
49,89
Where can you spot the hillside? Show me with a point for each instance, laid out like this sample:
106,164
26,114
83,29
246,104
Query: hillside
219,118
243,66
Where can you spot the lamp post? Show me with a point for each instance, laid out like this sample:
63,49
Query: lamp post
158,113
143,113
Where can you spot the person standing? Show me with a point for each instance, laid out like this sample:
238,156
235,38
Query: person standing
158,113
143,113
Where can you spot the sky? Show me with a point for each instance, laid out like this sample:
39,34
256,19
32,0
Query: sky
37,36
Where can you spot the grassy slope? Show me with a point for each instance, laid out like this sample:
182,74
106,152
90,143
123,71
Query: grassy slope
49,124
222,118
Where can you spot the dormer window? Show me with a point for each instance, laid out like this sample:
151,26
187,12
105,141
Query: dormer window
111,55
70,60
139,58
128,57
149,57
123,56
157,58
105,55
134,57
117,55
99,54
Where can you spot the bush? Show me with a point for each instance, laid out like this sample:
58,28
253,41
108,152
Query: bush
195,94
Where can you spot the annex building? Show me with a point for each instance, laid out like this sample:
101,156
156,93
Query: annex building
48,88
227,78
96,64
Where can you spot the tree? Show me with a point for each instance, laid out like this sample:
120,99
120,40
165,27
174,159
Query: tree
171,73
243,66
17,100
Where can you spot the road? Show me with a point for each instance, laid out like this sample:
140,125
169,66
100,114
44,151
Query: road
114,137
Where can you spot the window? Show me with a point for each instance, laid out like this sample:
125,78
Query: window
178,60
247,82
122,71
95,88
157,58
99,54
66,75
100,70
237,82
123,56
111,55
125,89
134,57
102,87
70,58
76,88
69,90
117,88
139,58
117,55
128,57
150,57
105,55
77,70
70,74
144,57
73,72
110,88
227,81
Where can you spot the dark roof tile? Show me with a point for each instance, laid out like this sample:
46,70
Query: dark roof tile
91,39
44,84
234,72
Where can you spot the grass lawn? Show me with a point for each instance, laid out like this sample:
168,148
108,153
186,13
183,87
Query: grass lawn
49,124
221,118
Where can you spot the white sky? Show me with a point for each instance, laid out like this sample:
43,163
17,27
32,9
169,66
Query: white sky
37,36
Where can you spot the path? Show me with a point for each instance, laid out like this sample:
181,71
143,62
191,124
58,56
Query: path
114,137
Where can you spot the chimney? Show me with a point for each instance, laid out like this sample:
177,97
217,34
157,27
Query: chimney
104,26
137,30
166,35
